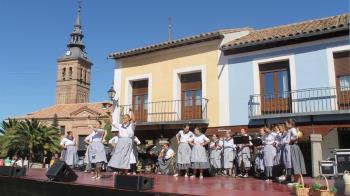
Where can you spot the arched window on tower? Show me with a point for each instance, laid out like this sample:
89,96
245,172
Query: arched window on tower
81,75
64,74
70,73
85,77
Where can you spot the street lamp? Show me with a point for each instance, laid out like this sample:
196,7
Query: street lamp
111,93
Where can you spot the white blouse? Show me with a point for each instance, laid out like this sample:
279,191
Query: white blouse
126,130
67,142
185,137
219,145
229,143
114,140
293,133
169,153
95,136
269,139
285,138
197,140
137,141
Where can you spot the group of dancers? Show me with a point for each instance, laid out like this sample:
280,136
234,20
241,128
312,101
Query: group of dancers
221,156
124,154
277,155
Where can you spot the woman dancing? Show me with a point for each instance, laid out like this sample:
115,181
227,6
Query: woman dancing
183,161
96,149
297,158
199,158
70,148
124,147
269,153
215,153
229,154
244,155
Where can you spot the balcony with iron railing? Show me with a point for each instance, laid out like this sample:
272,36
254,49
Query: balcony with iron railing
313,101
169,112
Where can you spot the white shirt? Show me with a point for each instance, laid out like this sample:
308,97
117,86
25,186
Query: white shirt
219,145
67,142
198,140
114,140
95,136
269,139
293,133
126,130
169,153
137,141
185,137
229,143
285,139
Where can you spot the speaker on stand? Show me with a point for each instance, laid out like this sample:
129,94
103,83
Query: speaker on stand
61,172
133,182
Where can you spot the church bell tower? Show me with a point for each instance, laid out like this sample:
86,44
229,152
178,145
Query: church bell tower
74,69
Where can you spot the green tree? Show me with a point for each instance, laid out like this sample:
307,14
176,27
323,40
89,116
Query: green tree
7,128
55,121
7,125
33,139
108,128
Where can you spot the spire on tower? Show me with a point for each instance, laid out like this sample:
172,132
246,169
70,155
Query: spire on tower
77,21
76,46
77,35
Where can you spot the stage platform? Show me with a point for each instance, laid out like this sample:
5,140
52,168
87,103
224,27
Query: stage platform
35,183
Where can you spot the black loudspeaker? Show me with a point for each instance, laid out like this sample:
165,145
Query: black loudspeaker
61,172
12,171
133,182
18,171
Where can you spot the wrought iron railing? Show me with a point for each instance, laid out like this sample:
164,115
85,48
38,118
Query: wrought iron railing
305,101
168,111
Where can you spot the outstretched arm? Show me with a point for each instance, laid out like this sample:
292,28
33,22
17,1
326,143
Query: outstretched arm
132,116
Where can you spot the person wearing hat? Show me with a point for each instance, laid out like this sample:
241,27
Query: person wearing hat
164,158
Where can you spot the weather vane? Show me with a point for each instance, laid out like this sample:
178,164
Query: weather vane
79,4
170,26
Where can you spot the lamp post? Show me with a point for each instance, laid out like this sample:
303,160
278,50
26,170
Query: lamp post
111,94
115,106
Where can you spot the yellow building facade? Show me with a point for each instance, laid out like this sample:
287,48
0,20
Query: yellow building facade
172,83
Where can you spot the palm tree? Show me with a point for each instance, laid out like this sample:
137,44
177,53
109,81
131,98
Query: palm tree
33,139
8,124
7,128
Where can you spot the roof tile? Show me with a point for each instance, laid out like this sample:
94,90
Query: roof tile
290,31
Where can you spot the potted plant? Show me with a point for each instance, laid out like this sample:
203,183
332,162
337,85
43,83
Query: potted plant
317,189
300,189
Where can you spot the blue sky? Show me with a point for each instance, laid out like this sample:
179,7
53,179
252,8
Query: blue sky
33,34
